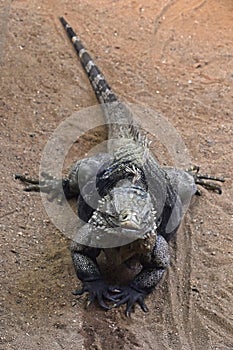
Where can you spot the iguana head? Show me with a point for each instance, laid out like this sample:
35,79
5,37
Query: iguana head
129,209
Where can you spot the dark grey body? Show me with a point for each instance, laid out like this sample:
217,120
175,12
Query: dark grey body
122,194
164,185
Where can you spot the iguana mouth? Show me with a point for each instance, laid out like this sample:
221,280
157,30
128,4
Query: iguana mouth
137,233
130,225
136,228
94,235
129,220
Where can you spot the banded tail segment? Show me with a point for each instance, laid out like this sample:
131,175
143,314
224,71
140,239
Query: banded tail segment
101,88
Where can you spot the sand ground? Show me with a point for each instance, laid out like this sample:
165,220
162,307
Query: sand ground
173,56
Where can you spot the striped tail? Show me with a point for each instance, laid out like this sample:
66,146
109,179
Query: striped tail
101,88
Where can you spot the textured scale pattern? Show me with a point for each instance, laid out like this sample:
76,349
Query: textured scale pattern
123,197
132,169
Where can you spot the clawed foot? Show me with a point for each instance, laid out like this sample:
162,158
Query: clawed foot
28,180
131,296
49,184
98,290
205,180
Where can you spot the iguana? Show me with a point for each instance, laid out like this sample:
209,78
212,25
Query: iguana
139,205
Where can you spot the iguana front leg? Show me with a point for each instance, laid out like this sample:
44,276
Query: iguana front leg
143,284
205,180
55,188
87,270
81,172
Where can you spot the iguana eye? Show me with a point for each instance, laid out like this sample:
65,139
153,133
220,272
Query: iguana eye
124,216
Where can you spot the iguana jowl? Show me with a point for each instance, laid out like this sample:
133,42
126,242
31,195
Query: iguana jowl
139,206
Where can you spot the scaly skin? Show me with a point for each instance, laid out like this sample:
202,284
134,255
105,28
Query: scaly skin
139,204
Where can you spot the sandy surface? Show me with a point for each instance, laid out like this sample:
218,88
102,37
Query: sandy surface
177,58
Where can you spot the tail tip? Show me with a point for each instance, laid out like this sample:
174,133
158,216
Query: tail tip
63,21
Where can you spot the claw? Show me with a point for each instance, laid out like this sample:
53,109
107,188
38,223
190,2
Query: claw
128,313
202,180
88,303
130,296
209,185
32,189
109,297
122,301
28,180
24,178
129,309
143,305
97,290
102,303
115,290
